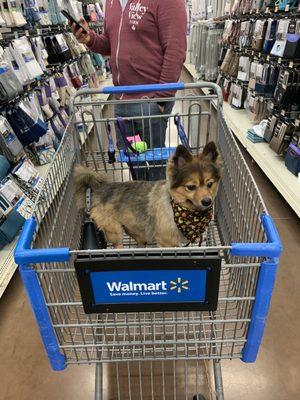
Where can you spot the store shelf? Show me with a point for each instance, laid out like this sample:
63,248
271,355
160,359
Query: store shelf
270,163
192,71
7,264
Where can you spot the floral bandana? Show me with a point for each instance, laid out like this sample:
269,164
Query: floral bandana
191,223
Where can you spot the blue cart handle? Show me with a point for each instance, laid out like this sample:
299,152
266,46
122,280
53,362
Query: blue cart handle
144,88
158,87
24,255
272,248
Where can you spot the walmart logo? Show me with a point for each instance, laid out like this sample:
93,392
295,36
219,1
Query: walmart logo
179,285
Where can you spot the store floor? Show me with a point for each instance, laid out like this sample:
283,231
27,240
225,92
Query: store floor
25,373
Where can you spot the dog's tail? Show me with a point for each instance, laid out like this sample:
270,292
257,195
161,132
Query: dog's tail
86,178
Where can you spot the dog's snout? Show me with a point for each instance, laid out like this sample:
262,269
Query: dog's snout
206,201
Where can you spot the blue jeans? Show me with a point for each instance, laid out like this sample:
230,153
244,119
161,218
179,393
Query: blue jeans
152,131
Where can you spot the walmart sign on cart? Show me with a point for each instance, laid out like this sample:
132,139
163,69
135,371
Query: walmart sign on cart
149,286
133,284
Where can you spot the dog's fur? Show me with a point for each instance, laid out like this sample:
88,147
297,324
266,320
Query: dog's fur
143,209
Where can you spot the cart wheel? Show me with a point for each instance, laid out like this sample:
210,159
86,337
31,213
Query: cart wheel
199,397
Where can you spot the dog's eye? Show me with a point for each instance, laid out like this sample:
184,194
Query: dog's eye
191,187
209,184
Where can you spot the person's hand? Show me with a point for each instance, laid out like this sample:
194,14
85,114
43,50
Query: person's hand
83,38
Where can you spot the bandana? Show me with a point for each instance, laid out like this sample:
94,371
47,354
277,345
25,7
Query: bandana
191,223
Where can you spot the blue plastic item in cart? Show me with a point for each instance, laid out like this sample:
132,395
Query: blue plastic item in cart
156,154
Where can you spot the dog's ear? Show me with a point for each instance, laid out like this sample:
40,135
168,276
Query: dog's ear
210,153
182,156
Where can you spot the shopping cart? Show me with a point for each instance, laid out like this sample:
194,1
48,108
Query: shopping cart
149,349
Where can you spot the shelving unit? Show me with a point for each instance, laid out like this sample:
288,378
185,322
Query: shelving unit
7,264
270,163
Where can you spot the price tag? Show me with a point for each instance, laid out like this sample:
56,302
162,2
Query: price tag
26,33
1,36
267,10
39,31
268,58
276,9
287,7
279,60
291,64
282,113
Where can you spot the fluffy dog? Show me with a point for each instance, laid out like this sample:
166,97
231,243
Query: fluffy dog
166,212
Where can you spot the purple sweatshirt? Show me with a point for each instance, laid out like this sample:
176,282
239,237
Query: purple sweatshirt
146,40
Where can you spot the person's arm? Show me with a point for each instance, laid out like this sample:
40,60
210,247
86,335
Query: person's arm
172,26
96,43
99,43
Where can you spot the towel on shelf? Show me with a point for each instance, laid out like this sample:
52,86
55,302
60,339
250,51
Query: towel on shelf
253,137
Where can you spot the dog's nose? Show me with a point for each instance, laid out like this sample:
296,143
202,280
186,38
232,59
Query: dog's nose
206,202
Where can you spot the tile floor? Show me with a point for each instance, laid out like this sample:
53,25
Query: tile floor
25,373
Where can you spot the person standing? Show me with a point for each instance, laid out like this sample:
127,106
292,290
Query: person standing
146,42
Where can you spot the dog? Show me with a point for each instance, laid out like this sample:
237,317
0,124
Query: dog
165,212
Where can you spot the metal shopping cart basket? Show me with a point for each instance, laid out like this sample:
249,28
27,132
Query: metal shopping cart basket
150,349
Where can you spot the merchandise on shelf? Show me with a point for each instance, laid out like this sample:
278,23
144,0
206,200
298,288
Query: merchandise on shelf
206,9
292,155
10,145
10,85
205,45
258,64
19,185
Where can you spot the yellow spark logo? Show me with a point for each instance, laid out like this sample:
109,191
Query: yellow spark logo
179,285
